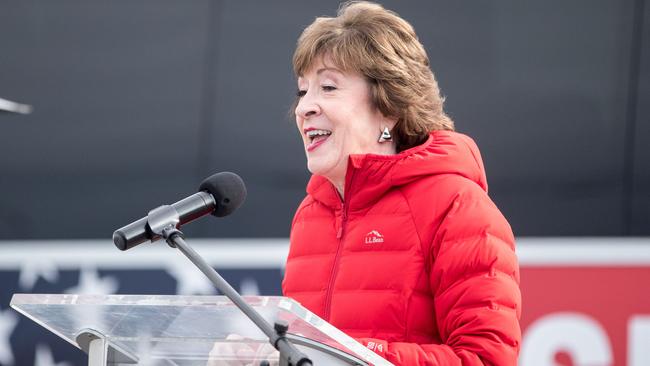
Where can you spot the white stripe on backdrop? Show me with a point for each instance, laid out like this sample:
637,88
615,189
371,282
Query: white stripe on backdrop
271,253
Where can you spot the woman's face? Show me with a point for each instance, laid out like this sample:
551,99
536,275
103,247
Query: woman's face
336,118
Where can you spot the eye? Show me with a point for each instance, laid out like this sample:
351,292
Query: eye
300,93
328,88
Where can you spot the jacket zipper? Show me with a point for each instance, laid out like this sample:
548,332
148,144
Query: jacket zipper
335,267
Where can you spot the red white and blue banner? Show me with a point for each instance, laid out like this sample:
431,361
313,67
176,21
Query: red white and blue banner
586,301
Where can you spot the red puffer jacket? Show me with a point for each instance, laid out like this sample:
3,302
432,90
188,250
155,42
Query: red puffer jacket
417,262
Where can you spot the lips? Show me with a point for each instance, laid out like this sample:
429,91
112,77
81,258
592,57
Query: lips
316,142
316,137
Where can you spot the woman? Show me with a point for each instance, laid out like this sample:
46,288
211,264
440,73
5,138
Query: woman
397,243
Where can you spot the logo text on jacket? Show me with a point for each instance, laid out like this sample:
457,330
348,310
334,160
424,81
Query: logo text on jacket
373,237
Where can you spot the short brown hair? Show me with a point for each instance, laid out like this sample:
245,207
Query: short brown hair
366,38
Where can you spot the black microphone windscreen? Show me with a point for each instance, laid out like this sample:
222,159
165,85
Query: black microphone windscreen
228,190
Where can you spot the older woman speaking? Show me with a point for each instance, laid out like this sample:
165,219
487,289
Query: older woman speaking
397,242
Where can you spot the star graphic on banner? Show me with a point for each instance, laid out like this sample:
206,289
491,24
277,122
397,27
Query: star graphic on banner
34,268
8,321
249,287
91,283
190,281
44,357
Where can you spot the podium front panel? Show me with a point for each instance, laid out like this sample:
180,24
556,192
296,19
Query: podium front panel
184,330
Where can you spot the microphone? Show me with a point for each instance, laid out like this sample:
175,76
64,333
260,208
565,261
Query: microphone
220,194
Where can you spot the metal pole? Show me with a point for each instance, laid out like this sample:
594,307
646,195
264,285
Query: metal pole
164,221
289,354
223,286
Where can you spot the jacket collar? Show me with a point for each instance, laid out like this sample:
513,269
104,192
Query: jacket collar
370,176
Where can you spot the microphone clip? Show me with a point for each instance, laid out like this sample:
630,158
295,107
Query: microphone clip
164,221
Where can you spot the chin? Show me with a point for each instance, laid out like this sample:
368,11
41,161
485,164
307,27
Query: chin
318,167
314,168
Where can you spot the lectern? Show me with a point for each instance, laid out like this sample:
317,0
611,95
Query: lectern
186,330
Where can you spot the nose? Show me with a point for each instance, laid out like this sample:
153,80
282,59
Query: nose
307,107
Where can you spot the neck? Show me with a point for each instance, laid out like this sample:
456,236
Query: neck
340,187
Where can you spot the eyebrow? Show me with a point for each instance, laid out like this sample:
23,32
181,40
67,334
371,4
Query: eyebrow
320,71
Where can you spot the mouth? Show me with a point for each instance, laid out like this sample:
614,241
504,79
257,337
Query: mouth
316,137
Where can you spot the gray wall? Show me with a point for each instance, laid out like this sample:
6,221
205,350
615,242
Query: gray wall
136,102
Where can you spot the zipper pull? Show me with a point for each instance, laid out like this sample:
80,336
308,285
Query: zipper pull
339,234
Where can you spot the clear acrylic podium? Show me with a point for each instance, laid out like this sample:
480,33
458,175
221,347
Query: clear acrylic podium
185,330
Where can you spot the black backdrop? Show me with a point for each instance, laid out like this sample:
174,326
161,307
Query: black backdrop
136,102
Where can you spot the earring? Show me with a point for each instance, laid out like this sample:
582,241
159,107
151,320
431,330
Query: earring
385,135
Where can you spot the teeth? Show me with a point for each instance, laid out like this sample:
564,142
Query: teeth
314,133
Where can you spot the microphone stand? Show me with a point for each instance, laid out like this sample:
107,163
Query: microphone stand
164,221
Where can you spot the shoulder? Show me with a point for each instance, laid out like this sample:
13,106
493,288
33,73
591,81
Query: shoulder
448,187
434,196
450,200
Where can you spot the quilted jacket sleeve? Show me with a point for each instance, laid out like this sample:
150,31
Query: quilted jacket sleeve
474,276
